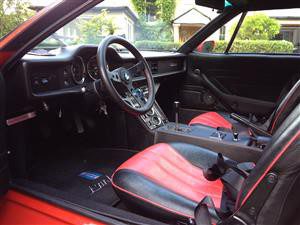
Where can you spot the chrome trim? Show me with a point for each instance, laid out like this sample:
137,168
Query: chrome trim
82,73
87,66
240,220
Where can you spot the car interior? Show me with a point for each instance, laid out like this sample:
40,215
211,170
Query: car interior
156,137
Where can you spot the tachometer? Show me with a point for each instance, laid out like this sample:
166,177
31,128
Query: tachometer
78,70
93,69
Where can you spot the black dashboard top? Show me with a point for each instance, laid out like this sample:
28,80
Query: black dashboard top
67,70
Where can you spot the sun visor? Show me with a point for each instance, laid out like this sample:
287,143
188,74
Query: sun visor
249,5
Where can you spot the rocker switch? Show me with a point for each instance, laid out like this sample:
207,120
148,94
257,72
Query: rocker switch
235,136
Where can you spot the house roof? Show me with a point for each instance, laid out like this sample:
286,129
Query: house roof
192,16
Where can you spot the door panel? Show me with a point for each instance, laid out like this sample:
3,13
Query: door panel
4,174
247,83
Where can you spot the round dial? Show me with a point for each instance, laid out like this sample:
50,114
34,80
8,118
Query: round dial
77,69
93,69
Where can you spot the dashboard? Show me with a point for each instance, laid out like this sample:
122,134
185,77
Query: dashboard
70,69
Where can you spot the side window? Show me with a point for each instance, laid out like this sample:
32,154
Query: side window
269,32
262,32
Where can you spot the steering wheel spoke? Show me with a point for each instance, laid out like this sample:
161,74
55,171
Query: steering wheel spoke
137,69
114,75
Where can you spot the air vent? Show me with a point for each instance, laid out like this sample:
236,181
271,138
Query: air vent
154,67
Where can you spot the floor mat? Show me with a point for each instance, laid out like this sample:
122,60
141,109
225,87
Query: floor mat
85,173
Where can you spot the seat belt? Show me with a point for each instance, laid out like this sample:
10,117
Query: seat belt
231,174
221,166
206,213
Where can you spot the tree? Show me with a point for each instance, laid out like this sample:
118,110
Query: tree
166,9
159,31
12,14
257,27
163,9
140,6
97,27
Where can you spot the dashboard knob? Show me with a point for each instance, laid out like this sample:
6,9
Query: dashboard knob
208,99
156,120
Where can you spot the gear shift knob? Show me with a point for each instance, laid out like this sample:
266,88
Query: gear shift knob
176,109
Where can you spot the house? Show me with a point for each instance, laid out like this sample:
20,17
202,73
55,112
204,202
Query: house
289,20
190,18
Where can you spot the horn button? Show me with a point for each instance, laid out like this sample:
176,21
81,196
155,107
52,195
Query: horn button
125,76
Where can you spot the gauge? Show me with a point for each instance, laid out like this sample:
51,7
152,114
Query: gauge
78,70
93,69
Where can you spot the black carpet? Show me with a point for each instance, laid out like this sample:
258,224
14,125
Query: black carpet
82,172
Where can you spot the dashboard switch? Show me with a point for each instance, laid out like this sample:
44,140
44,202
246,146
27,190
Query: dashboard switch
44,81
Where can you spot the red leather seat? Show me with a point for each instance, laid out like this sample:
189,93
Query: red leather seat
212,119
166,181
169,177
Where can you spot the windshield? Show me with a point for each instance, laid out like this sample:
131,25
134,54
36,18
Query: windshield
149,24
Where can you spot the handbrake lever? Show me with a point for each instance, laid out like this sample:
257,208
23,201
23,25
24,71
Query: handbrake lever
246,122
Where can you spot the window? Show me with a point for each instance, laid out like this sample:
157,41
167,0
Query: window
261,32
287,35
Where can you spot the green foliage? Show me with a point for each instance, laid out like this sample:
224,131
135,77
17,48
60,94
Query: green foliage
258,27
256,46
12,14
140,6
158,30
94,29
166,9
163,9
157,45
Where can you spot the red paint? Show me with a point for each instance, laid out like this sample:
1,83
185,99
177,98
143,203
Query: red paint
166,167
17,208
4,56
297,135
211,119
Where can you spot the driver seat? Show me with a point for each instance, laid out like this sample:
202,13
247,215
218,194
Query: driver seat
282,110
172,181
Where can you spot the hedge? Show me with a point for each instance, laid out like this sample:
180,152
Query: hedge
157,45
257,46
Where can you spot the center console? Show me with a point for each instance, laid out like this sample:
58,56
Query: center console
154,118
241,147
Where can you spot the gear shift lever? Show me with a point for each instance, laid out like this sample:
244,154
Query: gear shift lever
176,109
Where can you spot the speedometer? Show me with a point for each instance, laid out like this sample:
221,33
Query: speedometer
93,69
78,70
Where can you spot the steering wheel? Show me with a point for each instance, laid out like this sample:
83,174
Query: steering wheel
133,99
